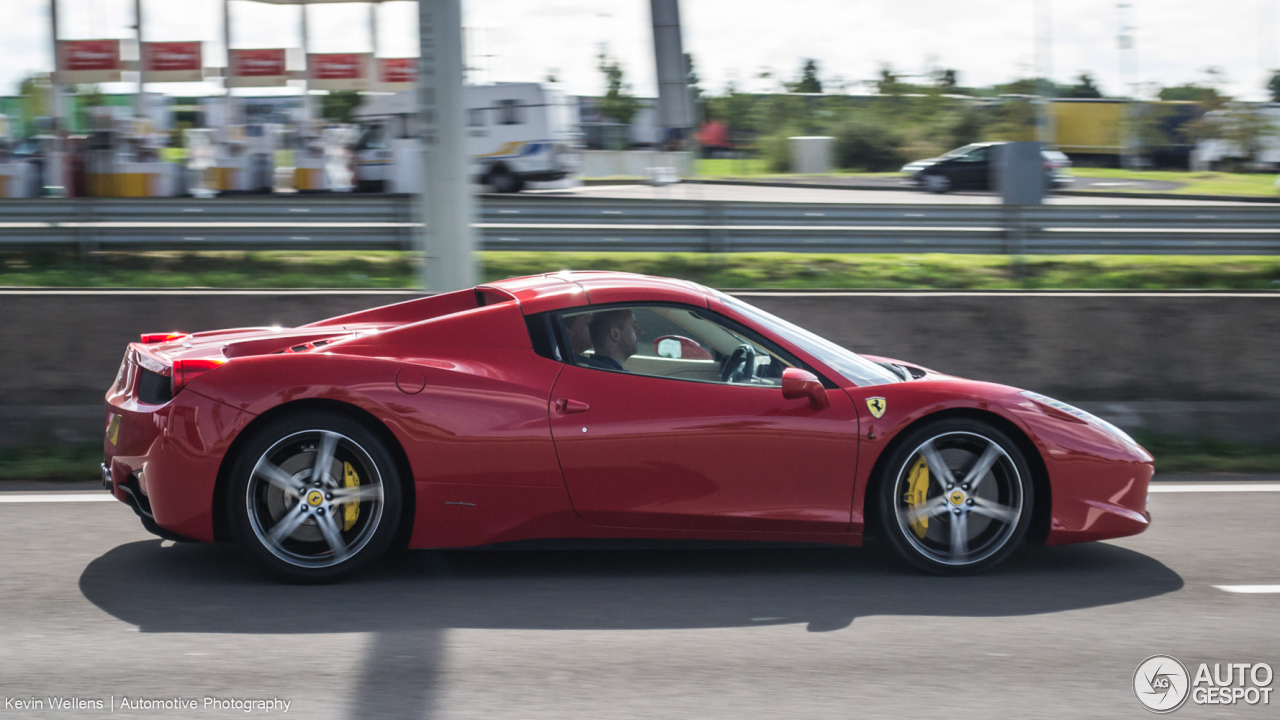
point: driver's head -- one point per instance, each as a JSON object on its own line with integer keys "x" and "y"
{"x": 615, "y": 333}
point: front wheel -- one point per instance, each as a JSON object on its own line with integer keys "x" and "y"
{"x": 956, "y": 497}
{"x": 314, "y": 497}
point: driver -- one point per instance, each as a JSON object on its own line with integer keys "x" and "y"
{"x": 615, "y": 336}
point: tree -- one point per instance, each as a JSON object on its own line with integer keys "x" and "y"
{"x": 618, "y": 103}
{"x": 889, "y": 82}
{"x": 1207, "y": 96}
{"x": 1084, "y": 87}
{"x": 339, "y": 104}
{"x": 808, "y": 82}
{"x": 946, "y": 80}
{"x": 34, "y": 91}
{"x": 691, "y": 78}
{"x": 1273, "y": 86}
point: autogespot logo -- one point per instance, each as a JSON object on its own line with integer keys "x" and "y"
{"x": 1161, "y": 683}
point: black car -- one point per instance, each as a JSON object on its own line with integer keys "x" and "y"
{"x": 969, "y": 167}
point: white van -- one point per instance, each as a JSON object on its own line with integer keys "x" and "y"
{"x": 516, "y": 133}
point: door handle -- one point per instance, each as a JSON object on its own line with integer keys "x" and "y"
{"x": 565, "y": 406}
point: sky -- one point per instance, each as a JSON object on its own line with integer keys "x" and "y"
{"x": 753, "y": 43}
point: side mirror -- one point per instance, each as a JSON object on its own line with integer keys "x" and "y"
{"x": 797, "y": 384}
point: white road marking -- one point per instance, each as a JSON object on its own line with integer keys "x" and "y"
{"x": 100, "y": 496}
{"x": 1251, "y": 589}
{"x": 1170, "y": 487}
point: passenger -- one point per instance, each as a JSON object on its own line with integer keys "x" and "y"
{"x": 579, "y": 337}
{"x": 615, "y": 336}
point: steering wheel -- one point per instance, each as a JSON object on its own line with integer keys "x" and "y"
{"x": 741, "y": 365}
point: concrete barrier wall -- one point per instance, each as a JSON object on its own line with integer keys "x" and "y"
{"x": 1199, "y": 364}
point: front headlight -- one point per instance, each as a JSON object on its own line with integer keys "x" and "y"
{"x": 1088, "y": 417}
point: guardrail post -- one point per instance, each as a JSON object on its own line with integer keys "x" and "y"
{"x": 715, "y": 227}
{"x": 1015, "y": 231}
{"x": 86, "y": 219}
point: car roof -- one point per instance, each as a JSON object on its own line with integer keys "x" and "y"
{"x": 570, "y": 288}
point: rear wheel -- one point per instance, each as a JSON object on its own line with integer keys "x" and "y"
{"x": 937, "y": 184}
{"x": 503, "y": 180}
{"x": 956, "y": 497}
{"x": 314, "y": 497}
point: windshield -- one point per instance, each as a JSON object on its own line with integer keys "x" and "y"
{"x": 960, "y": 151}
{"x": 855, "y": 368}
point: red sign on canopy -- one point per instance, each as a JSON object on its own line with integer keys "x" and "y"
{"x": 397, "y": 71}
{"x": 89, "y": 61}
{"x": 259, "y": 67}
{"x": 258, "y": 63}
{"x": 339, "y": 71}
{"x": 173, "y": 61}
{"x": 337, "y": 66}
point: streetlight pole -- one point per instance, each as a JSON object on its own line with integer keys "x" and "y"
{"x": 1044, "y": 64}
{"x": 445, "y": 201}
{"x": 1129, "y": 150}
{"x": 142, "y": 60}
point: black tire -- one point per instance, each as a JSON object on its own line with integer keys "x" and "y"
{"x": 938, "y": 184}
{"x": 964, "y": 524}
{"x": 503, "y": 181}
{"x": 285, "y": 514}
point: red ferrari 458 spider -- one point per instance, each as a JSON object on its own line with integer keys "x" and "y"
{"x": 593, "y": 405}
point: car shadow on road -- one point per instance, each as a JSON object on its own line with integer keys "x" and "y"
{"x": 410, "y": 601}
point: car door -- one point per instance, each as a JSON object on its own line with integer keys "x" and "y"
{"x": 972, "y": 170}
{"x": 669, "y": 442}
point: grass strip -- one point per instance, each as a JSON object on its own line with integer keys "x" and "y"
{"x": 373, "y": 269}
{"x": 1193, "y": 183}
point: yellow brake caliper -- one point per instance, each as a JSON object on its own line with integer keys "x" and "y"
{"x": 351, "y": 510}
{"x": 917, "y": 490}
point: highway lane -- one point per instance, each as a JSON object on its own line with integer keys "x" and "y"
{"x": 96, "y": 607}
{"x": 748, "y": 193}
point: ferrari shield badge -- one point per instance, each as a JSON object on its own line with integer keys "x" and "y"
{"x": 877, "y": 406}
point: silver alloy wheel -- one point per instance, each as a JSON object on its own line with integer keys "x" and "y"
{"x": 302, "y": 503}
{"x": 937, "y": 183}
{"x": 971, "y": 505}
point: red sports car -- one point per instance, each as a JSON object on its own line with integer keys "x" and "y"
{"x": 593, "y": 405}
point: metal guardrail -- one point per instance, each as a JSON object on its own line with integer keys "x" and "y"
{"x": 565, "y": 223}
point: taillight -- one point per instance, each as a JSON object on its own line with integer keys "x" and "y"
{"x": 184, "y": 371}
{"x": 152, "y": 338}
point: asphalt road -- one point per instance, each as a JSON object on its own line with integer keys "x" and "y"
{"x": 748, "y": 193}
{"x": 94, "y": 607}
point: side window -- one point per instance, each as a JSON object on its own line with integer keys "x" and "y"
{"x": 509, "y": 112}
{"x": 475, "y": 117}
{"x": 671, "y": 341}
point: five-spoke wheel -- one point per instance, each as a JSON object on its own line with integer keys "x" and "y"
{"x": 956, "y": 497}
{"x": 314, "y": 497}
